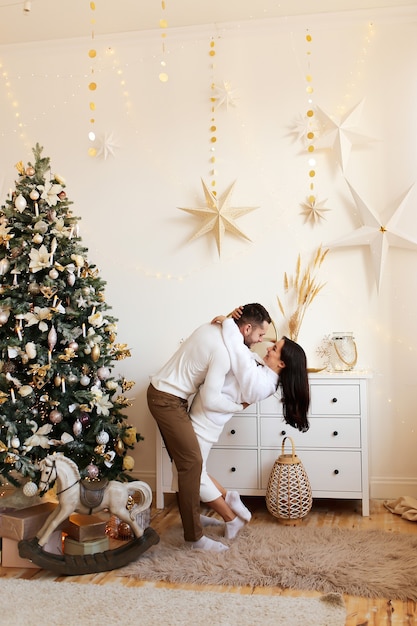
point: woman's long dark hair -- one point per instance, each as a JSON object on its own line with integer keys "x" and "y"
{"x": 293, "y": 379}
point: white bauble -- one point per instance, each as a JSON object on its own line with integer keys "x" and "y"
{"x": 30, "y": 489}
{"x": 20, "y": 203}
{"x": 102, "y": 438}
{"x": 85, "y": 380}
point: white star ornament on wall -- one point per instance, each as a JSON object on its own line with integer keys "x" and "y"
{"x": 377, "y": 236}
{"x": 340, "y": 135}
{"x": 106, "y": 146}
{"x": 218, "y": 216}
{"x": 224, "y": 95}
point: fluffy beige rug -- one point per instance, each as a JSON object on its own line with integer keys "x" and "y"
{"x": 26, "y": 602}
{"x": 355, "y": 562}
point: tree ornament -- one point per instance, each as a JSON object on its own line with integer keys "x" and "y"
{"x": 77, "y": 429}
{"x": 57, "y": 380}
{"x": 119, "y": 447}
{"x": 15, "y": 442}
{"x": 20, "y": 203}
{"x": 72, "y": 379}
{"x": 92, "y": 471}
{"x": 4, "y": 266}
{"x": 53, "y": 274}
{"x": 71, "y": 279}
{"x": 55, "y": 416}
{"x": 37, "y": 238}
{"x": 73, "y": 345}
{"x": 30, "y": 489}
{"x": 102, "y": 438}
{"x": 52, "y": 338}
{"x": 95, "y": 353}
{"x": 103, "y": 373}
{"x": 34, "y": 194}
{"x": 85, "y": 380}
{"x": 4, "y": 316}
{"x": 84, "y": 418}
{"x": 34, "y": 289}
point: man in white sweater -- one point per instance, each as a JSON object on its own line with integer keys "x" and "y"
{"x": 202, "y": 358}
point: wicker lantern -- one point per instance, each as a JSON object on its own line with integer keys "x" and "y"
{"x": 288, "y": 494}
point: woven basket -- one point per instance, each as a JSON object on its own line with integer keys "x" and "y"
{"x": 288, "y": 495}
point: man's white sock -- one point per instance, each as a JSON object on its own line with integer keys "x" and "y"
{"x": 233, "y": 500}
{"x": 205, "y": 543}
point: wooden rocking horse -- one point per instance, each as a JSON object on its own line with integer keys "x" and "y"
{"x": 76, "y": 495}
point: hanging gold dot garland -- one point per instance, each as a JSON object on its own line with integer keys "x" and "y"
{"x": 213, "y": 126}
{"x": 92, "y": 85}
{"x": 163, "y": 24}
{"x": 310, "y": 123}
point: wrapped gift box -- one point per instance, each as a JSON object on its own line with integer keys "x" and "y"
{"x": 73, "y": 547}
{"x": 84, "y": 527}
{"x": 20, "y": 524}
{"x": 10, "y": 551}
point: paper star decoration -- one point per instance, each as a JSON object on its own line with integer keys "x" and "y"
{"x": 377, "y": 236}
{"x": 341, "y": 135}
{"x": 313, "y": 210}
{"x": 219, "y": 216}
{"x": 224, "y": 95}
{"x": 106, "y": 146}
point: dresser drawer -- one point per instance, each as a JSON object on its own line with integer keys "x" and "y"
{"x": 234, "y": 469}
{"x": 271, "y": 405}
{"x": 329, "y": 471}
{"x": 324, "y": 432}
{"x": 334, "y": 399}
{"x": 239, "y": 431}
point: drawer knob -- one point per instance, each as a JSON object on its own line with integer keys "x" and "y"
{"x": 334, "y": 400}
{"x": 233, "y": 432}
{"x": 232, "y": 469}
{"x": 283, "y": 432}
{"x": 335, "y": 433}
{"x": 336, "y": 471}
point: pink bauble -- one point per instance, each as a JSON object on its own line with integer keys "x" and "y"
{"x": 92, "y": 471}
{"x": 55, "y": 416}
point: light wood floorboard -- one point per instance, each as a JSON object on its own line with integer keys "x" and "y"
{"x": 332, "y": 513}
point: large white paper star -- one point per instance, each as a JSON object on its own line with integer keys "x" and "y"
{"x": 340, "y": 135}
{"x": 377, "y": 236}
{"x": 218, "y": 216}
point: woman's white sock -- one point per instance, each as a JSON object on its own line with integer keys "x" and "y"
{"x": 205, "y": 543}
{"x": 233, "y": 500}
{"x": 233, "y": 527}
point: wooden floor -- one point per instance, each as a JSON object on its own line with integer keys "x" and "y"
{"x": 332, "y": 513}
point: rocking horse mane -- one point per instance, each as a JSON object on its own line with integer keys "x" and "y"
{"x": 65, "y": 459}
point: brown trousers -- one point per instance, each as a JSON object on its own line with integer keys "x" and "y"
{"x": 171, "y": 415}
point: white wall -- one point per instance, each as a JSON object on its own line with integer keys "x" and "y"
{"x": 160, "y": 285}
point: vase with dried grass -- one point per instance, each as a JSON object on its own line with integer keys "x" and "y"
{"x": 301, "y": 289}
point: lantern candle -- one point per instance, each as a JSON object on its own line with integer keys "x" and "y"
{"x": 12, "y": 395}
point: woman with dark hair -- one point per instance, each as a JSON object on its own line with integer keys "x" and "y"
{"x": 250, "y": 380}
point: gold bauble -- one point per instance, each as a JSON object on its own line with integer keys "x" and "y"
{"x": 119, "y": 447}
{"x": 95, "y": 353}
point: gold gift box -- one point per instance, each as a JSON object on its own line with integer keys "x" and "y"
{"x": 73, "y": 547}
{"x": 20, "y": 524}
{"x": 84, "y": 527}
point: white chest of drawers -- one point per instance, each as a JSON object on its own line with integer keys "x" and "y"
{"x": 334, "y": 450}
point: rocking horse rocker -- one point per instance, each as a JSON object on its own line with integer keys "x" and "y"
{"x": 85, "y": 497}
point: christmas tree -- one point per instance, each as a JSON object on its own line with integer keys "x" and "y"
{"x": 58, "y": 344}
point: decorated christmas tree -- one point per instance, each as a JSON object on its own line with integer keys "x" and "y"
{"x": 58, "y": 344}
